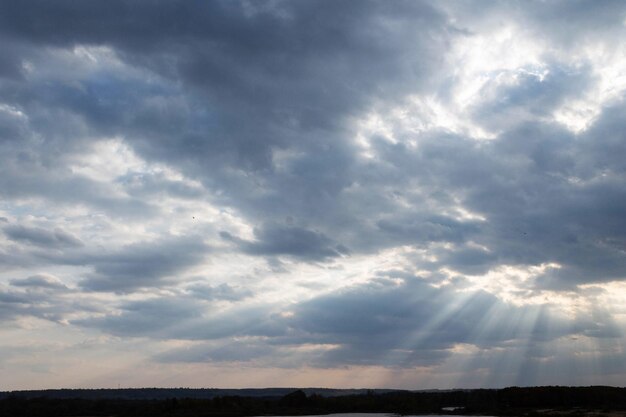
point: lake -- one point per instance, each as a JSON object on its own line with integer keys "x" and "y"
{"x": 377, "y": 415}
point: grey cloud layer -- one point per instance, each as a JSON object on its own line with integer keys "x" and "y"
{"x": 139, "y": 265}
{"x": 381, "y": 323}
{"x": 42, "y": 237}
{"x": 301, "y": 243}
{"x": 259, "y": 108}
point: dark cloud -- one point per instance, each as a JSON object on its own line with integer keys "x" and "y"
{"x": 380, "y": 323}
{"x": 273, "y": 239}
{"x": 415, "y": 229}
{"x": 415, "y": 324}
{"x": 186, "y": 318}
{"x": 42, "y": 297}
{"x": 546, "y": 196}
{"x": 404, "y": 325}
{"x": 299, "y": 120}
{"x": 280, "y": 69}
{"x": 10, "y": 306}
{"x": 142, "y": 264}
{"x": 159, "y": 317}
{"x": 42, "y": 237}
{"x": 593, "y": 20}
{"x": 45, "y": 281}
{"x": 292, "y": 72}
{"x": 13, "y": 298}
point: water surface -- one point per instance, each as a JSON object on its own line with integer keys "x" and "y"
{"x": 378, "y": 415}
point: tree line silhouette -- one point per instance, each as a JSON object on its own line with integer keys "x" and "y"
{"x": 514, "y": 401}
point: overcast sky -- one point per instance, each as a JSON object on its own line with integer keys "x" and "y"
{"x": 408, "y": 194}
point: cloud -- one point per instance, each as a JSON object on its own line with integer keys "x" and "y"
{"x": 152, "y": 317}
{"x": 219, "y": 292}
{"x": 141, "y": 264}
{"x": 231, "y": 352}
{"x": 384, "y": 323}
{"x": 42, "y": 237}
{"x": 185, "y": 318}
{"x": 437, "y": 228}
{"x": 516, "y": 96}
{"x": 273, "y": 239}
{"x": 151, "y": 184}
{"x": 405, "y": 324}
{"x": 43, "y": 297}
{"x": 337, "y": 184}
{"x": 45, "y": 281}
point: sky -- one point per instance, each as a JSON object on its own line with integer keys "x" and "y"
{"x": 402, "y": 194}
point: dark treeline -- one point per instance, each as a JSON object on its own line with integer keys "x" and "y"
{"x": 508, "y": 401}
{"x": 164, "y": 393}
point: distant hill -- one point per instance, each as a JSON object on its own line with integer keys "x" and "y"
{"x": 196, "y": 393}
